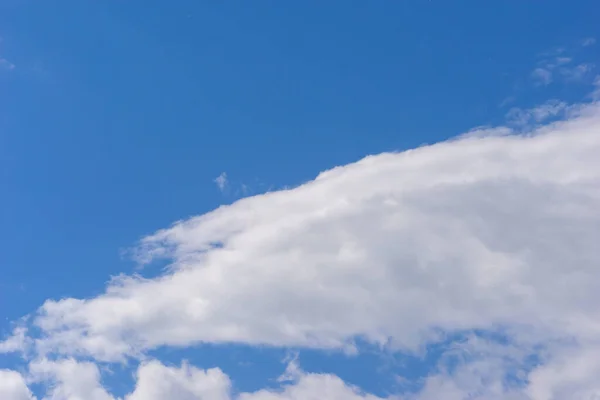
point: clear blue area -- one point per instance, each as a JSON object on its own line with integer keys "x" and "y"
{"x": 118, "y": 116}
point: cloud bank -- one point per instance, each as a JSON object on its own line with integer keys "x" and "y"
{"x": 484, "y": 233}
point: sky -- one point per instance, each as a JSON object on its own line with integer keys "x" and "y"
{"x": 299, "y": 200}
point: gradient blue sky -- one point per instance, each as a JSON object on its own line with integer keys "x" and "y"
{"x": 117, "y": 116}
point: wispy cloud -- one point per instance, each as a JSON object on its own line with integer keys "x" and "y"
{"x": 542, "y": 76}
{"x": 576, "y": 73}
{"x": 595, "y": 95}
{"x": 588, "y": 41}
{"x": 6, "y": 65}
{"x": 550, "y": 70}
{"x": 506, "y": 101}
{"x": 236, "y": 189}
{"x": 550, "y": 109}
{"x": 221, "y": 181}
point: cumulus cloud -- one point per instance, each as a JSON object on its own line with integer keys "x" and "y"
{"x": 156, "y": 381}
{"x": 16, "y": 342}
{"x": 477, "y": 368}
{"x": 13, "y": 386}
{"x": 69, "y": 379}
{"x": 72, "y": 380}
{"x": 460, "y": 235}
{"x": 311, "y": 387}
{"x": 489, "y": 232}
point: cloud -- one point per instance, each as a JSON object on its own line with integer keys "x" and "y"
{"x": 5, "y": 64}
{"x": 588, "y": 41}
{"x": 577, "y": 73}
{"x": 506, "y": 101}
{"x": 573, "y": 374}
{"x": 490, "y": 232}
{"x": 477, "y": 368}
{"x": 556, "y": 65}
{"x": 472, "y": 234}
{"x": 69, "y": 379}
{"x": 156, "y": 381}
{"x": 550, "y": 109}
{"x": 13, "y": 386}
{"x": 312, "y": 387}
{"x": 547, "y": 74}
{"x": 542, "y": 76}
{"x": 595, "y": 95}
{"x": 485, "y": 131}
{"x": 221, "y": 181}
{"x": 407, "y": 241}
{"x": 17, "y": 342}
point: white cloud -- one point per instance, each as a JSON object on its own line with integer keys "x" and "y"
{"x": 482, "y": 369}
{"x": 488, "y": 230}
{"x": 467, "y": 234}
{"x": 460, "y": 235}
{"x": 555, "y": 66}
{"x": 550, "y": 109}
{"x": 562, "y": 61}
{"x": 588, "y": 41}
{"x": 299, "y": 385}
{"x": 475, "y": 369}
{"x": 573, "y": 374}
{"x": 5, "y": 64}
{"x": 312, "y": 387}
{"x": 221, "y": 181}
{"x": 17, "y": 342}
{"x": 69, "y": 379}
{"x": 156, "y": 381}
{"x": 542, "y": 76}
{"x": 577, "y": 73}
{"x": 484, "y": 131}
{"x": 13, "y": 386}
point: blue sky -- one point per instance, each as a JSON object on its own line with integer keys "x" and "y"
{"x": 117, "y": 117}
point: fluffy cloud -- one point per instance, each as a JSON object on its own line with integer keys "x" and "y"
{"x": 312, "y": 387}
{"x": 17, "y": 342}
{"x": 13, "y": 387}
{"x": 472, "y": 233}
{"x": 156, "y": 381}
{"x": 490, "y": 232}
{"x": 476, "y": 368}
{"x": 69, "y": 379}
{"x": 72, "y": 380}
